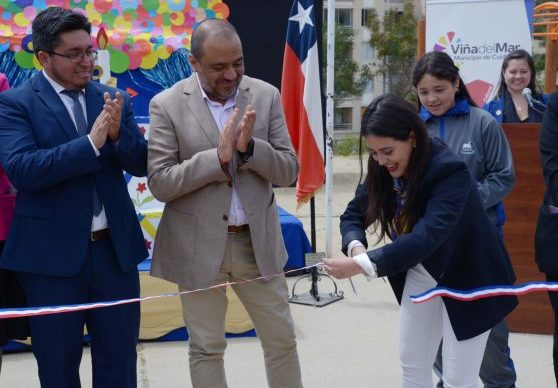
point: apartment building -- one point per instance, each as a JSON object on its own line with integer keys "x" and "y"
{"x": 352, "y": 14}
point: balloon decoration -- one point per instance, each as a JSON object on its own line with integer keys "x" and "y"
{"x": 143, "y": 44}
{"x": 139, "y": 33}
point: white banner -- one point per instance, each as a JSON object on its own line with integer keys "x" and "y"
{"x": 478, "y": 34}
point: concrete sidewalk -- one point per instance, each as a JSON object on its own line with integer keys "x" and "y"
{"x": 351, "y": 343}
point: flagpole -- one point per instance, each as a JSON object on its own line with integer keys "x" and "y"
{"x": 329, "y": 124}
{"x": 303, "y": 9}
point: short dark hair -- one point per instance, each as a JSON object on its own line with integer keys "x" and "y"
{"x": 207, "y": 27}
{"x": 392, "y": 116}
{"x": 50, "y": 23}
{"x": 518, "y": 54}
{"x": 438, "y": 64}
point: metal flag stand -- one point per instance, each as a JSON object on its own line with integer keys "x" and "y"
{"x": 313, "y": 297}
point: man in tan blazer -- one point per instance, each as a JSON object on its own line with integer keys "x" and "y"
{"x": 218, "y": 142}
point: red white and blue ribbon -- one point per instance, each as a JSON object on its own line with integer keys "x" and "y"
{"x": 462, "y": 295}
{"x": 48, "y": 310}
{"x": 484, "y": 292}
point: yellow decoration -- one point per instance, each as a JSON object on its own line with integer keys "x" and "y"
{"x": 112, "y": 82}
{"x": 122, "y": 24}
{"x": 149, "y": 61}
{"x": 37, "y": 64}
{"x": 164, "y": 52}
{"x": 179, "y": 20}
{"x": 146, "y": 225}
{"x": 443, "y": 40}
{"x": 20, "y": 20}
{"x": 6, "y": 31}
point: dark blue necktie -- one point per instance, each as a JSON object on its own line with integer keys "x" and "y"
{"x": 81, "y": 126}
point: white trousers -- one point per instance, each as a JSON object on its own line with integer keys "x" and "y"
{"x": 422, "y": 326}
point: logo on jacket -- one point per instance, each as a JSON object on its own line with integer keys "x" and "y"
{"x": 467, "y": 149}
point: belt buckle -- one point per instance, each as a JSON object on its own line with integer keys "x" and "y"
{"x": 238, "y": 228}
{"x": 100, "y": 234}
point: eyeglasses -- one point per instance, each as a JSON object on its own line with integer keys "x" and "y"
{"x": 76, "y": 56}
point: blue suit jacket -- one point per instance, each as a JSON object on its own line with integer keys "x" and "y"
{"x": 496, "y": 106}
{"x": 54, "y": 170}
{"x": 454, "y": 240}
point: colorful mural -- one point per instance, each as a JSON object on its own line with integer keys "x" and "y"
{"x": 136, "y": 33}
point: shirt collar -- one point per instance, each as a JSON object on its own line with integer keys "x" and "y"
{"x": 231, "y": 101}
{"x": 55, "y": 85}
{"x": 461, "y": 107}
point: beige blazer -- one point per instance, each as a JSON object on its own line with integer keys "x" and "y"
{"x": 184, "y": 173}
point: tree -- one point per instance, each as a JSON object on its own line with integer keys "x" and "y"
{"x": 347, "y": 73}
{"x": 395, "y": 41}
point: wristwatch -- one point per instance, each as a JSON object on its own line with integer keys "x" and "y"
{"x": 245, "y": 156}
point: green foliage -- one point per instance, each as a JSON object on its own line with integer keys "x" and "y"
{"x": 347, "y": 72}
{"x": 539, "y": 69}
{"x": 346, "y": 146}
{"x": 395, "y": 41}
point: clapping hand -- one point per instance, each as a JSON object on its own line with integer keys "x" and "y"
{"x": 225, "y": 149}
{"x": 236, "y": 137}
{"x": 246, "y": 129}
{"x": 99, "y": 130}
{"x": 113, "y": 107}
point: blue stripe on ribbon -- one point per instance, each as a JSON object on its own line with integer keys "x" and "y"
{"x": 485, "y": 292}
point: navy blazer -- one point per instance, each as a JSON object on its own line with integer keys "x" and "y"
{"x": 454, "y": 240}
{"x": 54, "y": 171}
{"x": 546, "y": 235}
{"x": 496, "y": 107}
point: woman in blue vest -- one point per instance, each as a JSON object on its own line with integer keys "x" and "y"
{"x": 517, "y": 80}
{"x": 419, "y": 194}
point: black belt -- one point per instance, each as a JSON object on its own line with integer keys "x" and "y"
{"x": 238, "y": 228}
{"x": 101, "y": 234}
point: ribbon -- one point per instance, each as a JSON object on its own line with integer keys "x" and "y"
{"x": 48, "y": 310}
{"x": 484, "y": 292}
{"x": 436, "y": 292}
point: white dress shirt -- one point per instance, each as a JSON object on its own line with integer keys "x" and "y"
{"x": 100, "y": 221}
{"x": 221, "y": 114}
{"x": 363, "y": 260}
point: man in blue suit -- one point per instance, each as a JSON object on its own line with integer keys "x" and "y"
{"x": 75, "y": 237}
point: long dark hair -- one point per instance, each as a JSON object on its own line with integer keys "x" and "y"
{"x": 518, "y": 54}
{"x": 438, "y": 64}
{"x": 392, "y": 116}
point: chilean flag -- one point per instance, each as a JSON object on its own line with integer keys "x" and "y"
{"x": 301, "y": 98}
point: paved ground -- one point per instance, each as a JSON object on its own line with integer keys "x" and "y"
{"x": 351, "y": 343}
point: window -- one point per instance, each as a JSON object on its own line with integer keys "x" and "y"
{"x": 344, "y": 17}
{"x": 367, "y": 52}
{"x": 343, "y": 119}
{"x": 366, "y": 13}
{"x": 369, "y": 87}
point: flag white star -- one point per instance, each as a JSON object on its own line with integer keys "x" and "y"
{"x": 302, "y": 17}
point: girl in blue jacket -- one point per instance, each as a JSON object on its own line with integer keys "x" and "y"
{"x": 419, "y": 194}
